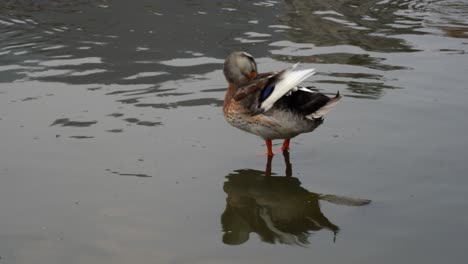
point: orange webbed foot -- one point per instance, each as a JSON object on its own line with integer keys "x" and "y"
{"x": 271, "y": 152}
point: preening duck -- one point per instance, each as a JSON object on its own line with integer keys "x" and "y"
{"x": 271, "y": 105}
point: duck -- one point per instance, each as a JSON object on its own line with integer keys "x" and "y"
{"x": 271, "y": 105}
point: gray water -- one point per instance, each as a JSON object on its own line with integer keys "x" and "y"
{"x": 113, "y": 147}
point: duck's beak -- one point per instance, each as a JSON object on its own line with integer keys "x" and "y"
{"x": 253, "y": 74}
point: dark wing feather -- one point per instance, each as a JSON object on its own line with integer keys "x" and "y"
{"x": 303, "y": 103}
{"x": 272, "y": 78}
{"x": 252, "y": 94}
{"x": 266, "y": 92}
{"x": 248, "y": 90}
{"x": 252, "y": 87}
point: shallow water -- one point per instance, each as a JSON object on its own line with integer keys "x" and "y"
{"x": 114, "y": 148}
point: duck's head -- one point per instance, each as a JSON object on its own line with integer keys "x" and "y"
{"x": 239, "y": 67}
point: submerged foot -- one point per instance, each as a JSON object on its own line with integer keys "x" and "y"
{"x": 273, "y": 152}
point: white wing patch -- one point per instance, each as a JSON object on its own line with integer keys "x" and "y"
{"x": 298, "y": 88}
{"x": 289, "y": 80}
{"x": 305, "y": 89}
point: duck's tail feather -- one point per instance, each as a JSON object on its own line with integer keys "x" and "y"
{"x": 289, "y": 79}
{"x": 326, "y": 108}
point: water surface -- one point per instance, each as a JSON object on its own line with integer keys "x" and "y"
{"x": 114, "y": 148}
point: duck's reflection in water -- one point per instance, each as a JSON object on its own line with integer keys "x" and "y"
{"x": 277, "y": 208}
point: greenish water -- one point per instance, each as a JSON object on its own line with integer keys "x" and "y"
{"x": 114, "y": 148}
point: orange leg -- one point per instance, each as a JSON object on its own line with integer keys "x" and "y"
{"x": 285, "y": 146}
{"x": 269, "y": 147}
